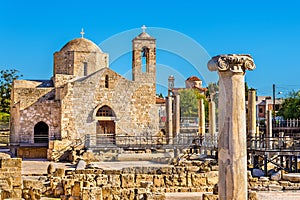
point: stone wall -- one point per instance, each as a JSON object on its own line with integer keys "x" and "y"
{"x": 30, "y": 105}
{"x": 32, "y": 152}
{"x": 131, "y": 183}
{"x": 10, "y": 178}
{"x": 77, "y": 53}
{"x": 132, "y": 103}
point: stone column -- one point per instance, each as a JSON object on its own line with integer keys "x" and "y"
{"x": 269, "y": 130}
{"x": 177, "y": 114}
{"x": 201, "y": 116}
{"x": 212, "y": 121}
{"x": 169, "y": 120}
{"x": 232, "y": 145}
{"x": 251, "y": 116}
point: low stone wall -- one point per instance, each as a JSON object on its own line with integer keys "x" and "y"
{"x": 266, "y": 184}
{"x": 10, "y": 178}
{"x": 32, "y": 152}
{"x": 4, "y": 136}
{"x": 128, "y": 183}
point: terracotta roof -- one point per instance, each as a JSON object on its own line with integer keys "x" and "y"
{"x": 193, "y": 78}
{"x": 201, "y": 89}
{"x": 160, "y": 100}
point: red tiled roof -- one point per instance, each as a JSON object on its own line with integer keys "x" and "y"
{"x": 193, "y": 78}
{"x": 160, "y": 100}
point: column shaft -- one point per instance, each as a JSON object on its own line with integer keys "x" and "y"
{"x": 169, "y": 119}
{"x": 177, "y": 114}
{"x": 232, "y": 137}
{"x": 232, "y": 145}
{"x": 212, "y": 121}
{"x": 251, "y": 117}
{"x": 201, "y": 116}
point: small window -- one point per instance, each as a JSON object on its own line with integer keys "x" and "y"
{"x": 105, "y": 111}
{"x": 106, "y": 81}
{"x": 85, "y": 70}
{"x": 260, "y": 110}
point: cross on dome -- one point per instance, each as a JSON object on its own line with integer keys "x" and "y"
{"x": 144, "y": 28}
{"x": 82, "y": 33}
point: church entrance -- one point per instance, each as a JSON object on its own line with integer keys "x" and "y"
{"x": 41, "y": 132}
{"x": 106, "y": 132}
{"x": 105, "y": 129}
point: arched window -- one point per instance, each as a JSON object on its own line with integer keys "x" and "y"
{"x": 85, "y": 68}
{"x": 105, "y": 111}
{"x": 41, "y": 132}
{"x": 144, "y": 59}
{"x": 106, "y": 81}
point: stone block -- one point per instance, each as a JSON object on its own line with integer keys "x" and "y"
{"x": 168, "y": 180}
{"x": 198, "y": 180}
{"x": 293, "y": 177}
{"x": 76, "y": 189}
{"x": 212, "y": 178}
{"x": 11, "y": 163}
{"x": 210, "y": 197}
{"x": 58, "y": 191}
{"x": 284, "y": 183}
{"x": 127, "y": 194}
{"x": 158, "y": 181}
{"x": 101, "y": 179}
{"x": 275, "y": 187}
{"x": 32, "y": 184}
{"x": 59, "y": 172}
{"x": 94, "y": 193}
{"x": 127, "y": 180}
{"x": 276, "y": 176}
{"x": 114, "y": 180}
{"x": 252, "y": 195}
{"x": 143, "y": 177}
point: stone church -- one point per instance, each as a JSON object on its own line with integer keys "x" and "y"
{"x": 85, "y": 97}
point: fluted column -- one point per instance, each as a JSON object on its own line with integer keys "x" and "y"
{"x": 251, "y": 116}
{"x": 169, "y": 119}
{"x": 177, "y": 114}
{"x": 269, "y": 130}
{"x": 201, "y": 116}
{"x": 232, "y": 146}
{"x": 212, "y": 121}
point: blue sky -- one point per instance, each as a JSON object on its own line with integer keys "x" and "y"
{"x": 31, "y": 31}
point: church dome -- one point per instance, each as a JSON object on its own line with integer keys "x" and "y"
{"x": 81, "y": 44}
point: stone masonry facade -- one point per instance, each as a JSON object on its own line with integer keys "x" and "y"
{"x": 85, "y": 97}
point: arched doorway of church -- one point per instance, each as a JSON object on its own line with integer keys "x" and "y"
{"x": 105, "y": 129}
{"x": 41, "y": 132}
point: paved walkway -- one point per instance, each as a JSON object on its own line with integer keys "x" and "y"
{"x": 39, "y": 166}
{"x": 291, "y": 195}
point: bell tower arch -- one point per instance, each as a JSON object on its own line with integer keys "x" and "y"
{"x": 144, "y": 58}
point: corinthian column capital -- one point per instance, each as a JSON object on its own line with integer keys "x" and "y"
{"x": 238, "y": 63}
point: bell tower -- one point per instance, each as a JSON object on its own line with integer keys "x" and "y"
{"x": 144, "y": 58}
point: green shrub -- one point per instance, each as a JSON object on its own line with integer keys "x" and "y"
{"x": 4, "y": 117}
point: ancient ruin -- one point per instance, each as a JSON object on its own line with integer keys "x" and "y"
{"x": 232, "y": 146}
{"x": 87, "y": 115}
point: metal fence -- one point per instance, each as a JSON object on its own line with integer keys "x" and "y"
{"x": 144, "y": 142}
{"x": 276, "y": 143}
{"x": 289, "y": 123}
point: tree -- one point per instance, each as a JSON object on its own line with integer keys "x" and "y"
{"x": 6, "y": 79}
{"x": 290, "y": 108}
{"x": 189, "y": 100}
